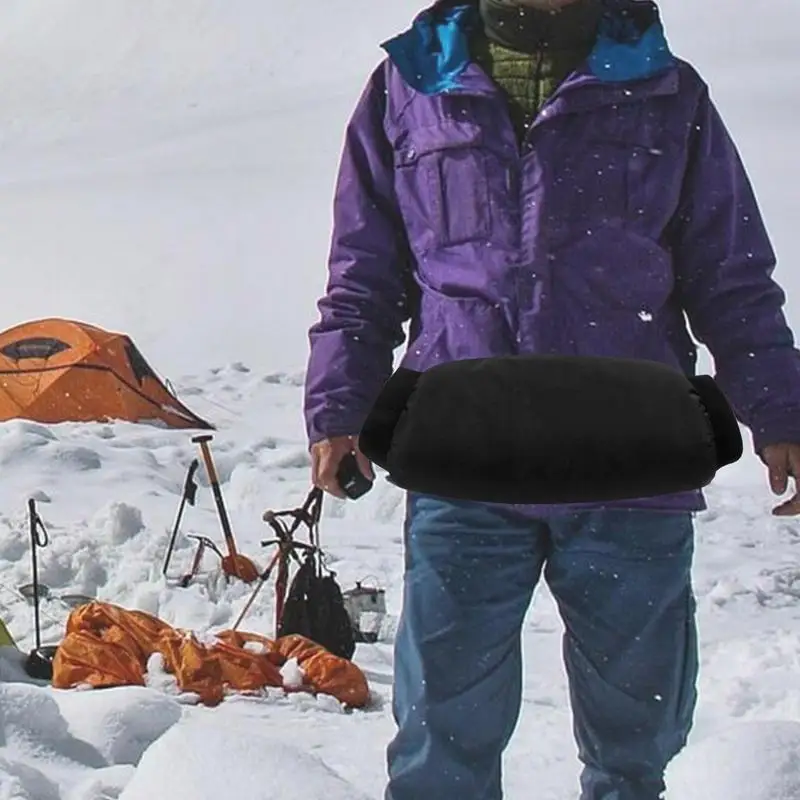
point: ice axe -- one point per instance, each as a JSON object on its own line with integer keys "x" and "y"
{"x": 203, "y": 543}
{"x": 234, "y": 564}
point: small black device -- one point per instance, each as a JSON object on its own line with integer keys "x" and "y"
{"x": 350, "y": 478}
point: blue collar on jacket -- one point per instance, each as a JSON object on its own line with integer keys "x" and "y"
{"x": 434, "y": 52}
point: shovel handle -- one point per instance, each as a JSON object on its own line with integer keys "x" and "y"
{"x": 213, "y": 479}
{"x": 208, "y": 460}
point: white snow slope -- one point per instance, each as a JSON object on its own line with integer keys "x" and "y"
{"x": 166, "y": 170}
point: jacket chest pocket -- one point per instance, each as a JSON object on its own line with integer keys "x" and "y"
{"x": 442, "y": 186}
{"x": 589, "y": 185}
{"x": 612, "y": 183}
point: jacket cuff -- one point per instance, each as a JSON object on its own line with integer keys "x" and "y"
{"x": 316, "y": 432}
{"x": 780, "y": 429}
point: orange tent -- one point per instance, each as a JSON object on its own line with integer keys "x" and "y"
{"x": 57, "y": 370}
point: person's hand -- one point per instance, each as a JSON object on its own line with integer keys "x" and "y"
{"x": 326, "y": 457}
{"x": 783, "y": 462}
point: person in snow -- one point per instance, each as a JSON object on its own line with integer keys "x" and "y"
{"x": 545, "y": 178}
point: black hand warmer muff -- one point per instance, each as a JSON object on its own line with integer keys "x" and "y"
{"x": 550, "y": 429}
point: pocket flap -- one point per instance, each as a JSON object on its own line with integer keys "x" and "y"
{"x": 413, "y": 144}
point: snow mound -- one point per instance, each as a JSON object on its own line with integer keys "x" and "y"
{"x": 38, "y": 752}
{"x": 122, "y": 522}
{"x": 20, "y": 781}
{"x": 749, "y": 761}
{"x": 102, "y": 784}
{"x": 31, "y": 724}
{"x": 121, "y": 723}
{"x": 205, "y": 760}
{"x": 60, "y": 745}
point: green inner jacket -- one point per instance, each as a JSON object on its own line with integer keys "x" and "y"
{"x": 527, "y": 79}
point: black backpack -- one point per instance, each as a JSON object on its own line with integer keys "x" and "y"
{"x": 315, "y": 609}
{"x": 314, "y": 606}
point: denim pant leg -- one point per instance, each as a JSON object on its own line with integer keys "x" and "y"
{"x": 470, "y": 574}
{"x": 623, "y": 585}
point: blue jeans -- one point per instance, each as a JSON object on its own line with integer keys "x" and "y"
{"x": 622, "y": 582}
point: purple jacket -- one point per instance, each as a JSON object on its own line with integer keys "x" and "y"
{"x": 626, "y": 207}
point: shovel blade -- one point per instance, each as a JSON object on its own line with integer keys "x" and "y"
{"x": 241, "y": 567}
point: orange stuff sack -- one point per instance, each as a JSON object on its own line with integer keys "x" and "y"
{"x": 106, "y": 645}
{"x": 324, "y": 672}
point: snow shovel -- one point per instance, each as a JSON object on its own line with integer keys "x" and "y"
{"x": 189, "y": 497}
{"x": 234, "y": 564}
{"x": 39, "y": 663}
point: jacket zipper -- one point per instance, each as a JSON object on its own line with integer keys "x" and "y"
{"x": 537, "y": 83}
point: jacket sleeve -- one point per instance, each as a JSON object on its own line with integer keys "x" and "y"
{"x": 724, "y": 263}
{"x": 365, "y": 303}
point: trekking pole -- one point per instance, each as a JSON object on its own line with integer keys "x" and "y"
{"x": 235, "y": 564}
{"x": 189, "y": 496}
{"x": 263, "y": 578}
{"x": 39, "y": 663}
{"x": 308, "y": 514}
{"x": 282, "y": 583}
{"x": 284, "y": 541}
{"x": 37, "y": 540}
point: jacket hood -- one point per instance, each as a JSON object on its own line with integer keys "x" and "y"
{"x": 434, "y": 52}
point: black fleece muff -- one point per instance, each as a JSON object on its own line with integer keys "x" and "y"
{"x": 550, "y": 429}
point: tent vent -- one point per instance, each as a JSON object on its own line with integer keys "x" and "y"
{"x": 140, "y": 368}
{"x": 39, "y": 347}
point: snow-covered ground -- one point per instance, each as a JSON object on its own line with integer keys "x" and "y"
{"x": 166, "y": 170}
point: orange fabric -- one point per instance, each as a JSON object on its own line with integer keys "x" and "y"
{"x": 106, "y": 645}
{"x": 57, "y": 370}
{"x": 209, "y": 670}
{"x": 84, "y": 658}
{"x": 326, "y": 673}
